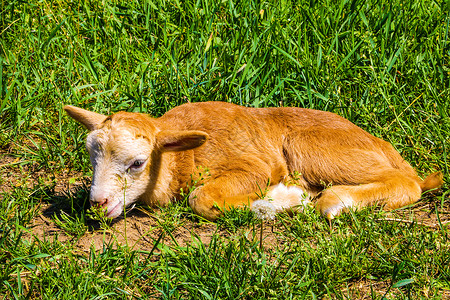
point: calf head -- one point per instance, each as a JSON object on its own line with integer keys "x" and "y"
{"x": 123, "y": 148}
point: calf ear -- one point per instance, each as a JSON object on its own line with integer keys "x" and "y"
{"x": 89, "y": 119}
{"x": 173, "y": 140}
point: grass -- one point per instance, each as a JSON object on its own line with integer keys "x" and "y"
{"x": 382, "y": 64}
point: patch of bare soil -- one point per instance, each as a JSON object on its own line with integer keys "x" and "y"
{"x": 137, "y": 230}
{"x": 142, "y": 230}
{"x": 15, "y": 174}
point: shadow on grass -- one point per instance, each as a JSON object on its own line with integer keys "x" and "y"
{"x": 69, "y": 210}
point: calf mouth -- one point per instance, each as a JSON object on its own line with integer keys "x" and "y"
{"x": 114, "y": 209}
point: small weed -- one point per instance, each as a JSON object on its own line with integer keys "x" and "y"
{"x": 97, "y": 213}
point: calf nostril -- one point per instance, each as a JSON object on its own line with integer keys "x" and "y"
{"x": 103, "y": 202}
{"x": 100, "y": 203}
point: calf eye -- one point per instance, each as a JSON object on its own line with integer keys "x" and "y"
{"x": 135, "y": 165}
{"x": 138, "y": 163}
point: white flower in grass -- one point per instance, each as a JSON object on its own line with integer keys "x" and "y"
{"x": 264, "y": 210}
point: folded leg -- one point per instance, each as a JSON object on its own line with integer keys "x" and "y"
{"x": 232, "y": 189}
{"x": 242, "y": 187}
{"x": 391, "y": 188}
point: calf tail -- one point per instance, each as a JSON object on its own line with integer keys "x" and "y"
{"x": 433, "y": 181}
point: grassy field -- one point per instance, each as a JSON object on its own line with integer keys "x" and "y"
{"x": 382, "y": 64}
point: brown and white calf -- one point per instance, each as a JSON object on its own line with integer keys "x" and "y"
{"x": 239, "y": 153}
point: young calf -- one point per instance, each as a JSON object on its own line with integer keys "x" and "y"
{"x": 241, "y": 154}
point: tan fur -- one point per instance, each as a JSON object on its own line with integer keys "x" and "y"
{"x": 244, "y": 149}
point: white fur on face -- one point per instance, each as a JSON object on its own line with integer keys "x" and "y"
{"x": 121, "y": 165}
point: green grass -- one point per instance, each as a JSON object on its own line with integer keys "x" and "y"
{"x": 382, "y": 64}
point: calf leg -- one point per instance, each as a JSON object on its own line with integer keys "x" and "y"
{"x": 229, "y": 190}
{"x": 391, "y": 188}
{"x": 242, "y": 189}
